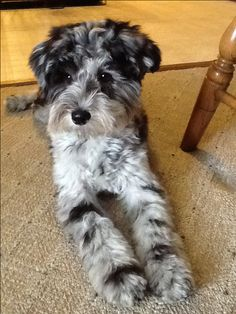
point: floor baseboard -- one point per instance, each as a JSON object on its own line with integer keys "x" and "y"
{"x": 168, "y": 67}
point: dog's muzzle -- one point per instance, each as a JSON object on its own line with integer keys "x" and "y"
{"x": 80, "y": 117}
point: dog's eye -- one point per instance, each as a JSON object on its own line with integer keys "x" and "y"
{"x": 67, "y": 78}
{"x": 105, "y": 77}
{"x": 59, "y": 77}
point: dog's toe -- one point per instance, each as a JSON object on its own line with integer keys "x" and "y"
{"x": 125, "y": 289}
{"x": 18, "y": 103}
{"x": 170, "y": 279}
{"x": 12, "y": 103}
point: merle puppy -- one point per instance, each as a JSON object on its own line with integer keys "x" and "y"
{"x": 89, "y": 77}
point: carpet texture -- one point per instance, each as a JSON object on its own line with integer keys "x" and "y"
{"x": 41, "y": 272}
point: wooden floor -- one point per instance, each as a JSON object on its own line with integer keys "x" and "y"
{"x": 187, "y": 31}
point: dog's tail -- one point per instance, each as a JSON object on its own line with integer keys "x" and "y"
{"x": 18, "y": 103}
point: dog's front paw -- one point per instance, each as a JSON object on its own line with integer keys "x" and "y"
{"x": 169, "y": 278}
{"x": 124, "y": 286}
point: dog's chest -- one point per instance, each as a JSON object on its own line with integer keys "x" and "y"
{"x": 97, "y": 163}
{"x": 77, "y": 161}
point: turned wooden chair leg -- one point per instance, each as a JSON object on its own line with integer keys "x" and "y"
{"x": 217, "y": 79}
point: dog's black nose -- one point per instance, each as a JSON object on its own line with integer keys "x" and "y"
{"x": 80, "y": 116}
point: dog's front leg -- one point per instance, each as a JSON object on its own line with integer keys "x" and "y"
{"x": 112, "y": 268}
{"x": 157, "y": 244}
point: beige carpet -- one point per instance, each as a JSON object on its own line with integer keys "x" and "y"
{"x": 187, "y": 31}
{"x": 40, "y": 270}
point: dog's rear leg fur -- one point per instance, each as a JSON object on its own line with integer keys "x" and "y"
{"x": 16, "y": 103}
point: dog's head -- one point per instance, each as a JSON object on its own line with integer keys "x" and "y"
{"x": 90, "y": 74}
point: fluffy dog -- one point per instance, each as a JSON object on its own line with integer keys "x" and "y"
{"x": 90, "y": 76}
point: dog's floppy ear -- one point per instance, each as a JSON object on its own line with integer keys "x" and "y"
{"x": 151, "y": 56}
{"x": 47, "y": 53}
{"x": 136, "y": 47}
{"x": 38, "y": 62}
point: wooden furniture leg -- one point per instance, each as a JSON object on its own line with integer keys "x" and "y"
{"x": 217, "y": 80}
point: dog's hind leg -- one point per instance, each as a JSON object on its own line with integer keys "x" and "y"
{"x": 16, "y": 103}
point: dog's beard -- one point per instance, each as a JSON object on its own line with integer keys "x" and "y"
{"x": 107, "y": 117}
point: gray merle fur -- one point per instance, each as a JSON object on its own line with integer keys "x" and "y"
{"x": 89, "y": 77}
